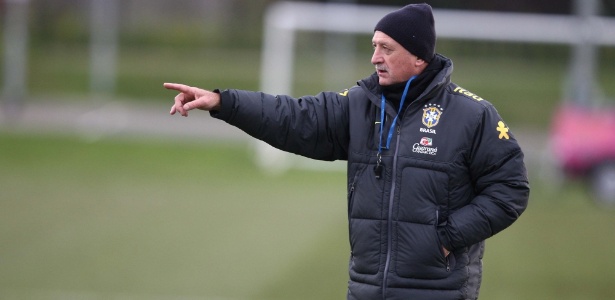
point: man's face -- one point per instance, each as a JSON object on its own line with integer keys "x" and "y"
{"x": 393, "y": 62}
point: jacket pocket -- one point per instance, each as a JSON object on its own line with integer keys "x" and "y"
{"x": 422, "y": 191}
{"x": 364, "y": 221}
{"x": 419, "y": 252}
{"x": 365, "y": 246}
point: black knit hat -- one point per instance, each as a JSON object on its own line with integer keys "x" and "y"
{"x": 412, "y": 27}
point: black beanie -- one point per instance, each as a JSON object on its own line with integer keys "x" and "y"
{"x": 412, "y": 27}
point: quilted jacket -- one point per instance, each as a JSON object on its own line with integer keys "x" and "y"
{"x": 452, "y": 176}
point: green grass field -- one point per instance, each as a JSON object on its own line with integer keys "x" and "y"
{"x": 143, "y": 219}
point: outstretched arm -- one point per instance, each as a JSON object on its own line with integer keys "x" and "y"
{"x": 190, "y": 98}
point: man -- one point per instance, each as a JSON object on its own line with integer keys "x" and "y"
{"x": 433, "y": 170}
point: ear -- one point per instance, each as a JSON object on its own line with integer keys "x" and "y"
{"x": 420, "y": 65}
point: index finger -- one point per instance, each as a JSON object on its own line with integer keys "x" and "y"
{"x": 178, "y": 87}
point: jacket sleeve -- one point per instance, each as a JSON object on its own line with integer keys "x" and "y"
{"x": 500, "y": 182}
{"x": 311, "y": 126}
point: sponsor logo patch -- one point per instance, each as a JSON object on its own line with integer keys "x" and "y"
{"x": 426, "y": 141}
{"x": 467, "y": 93}
{"x": 417, "y": 148}
{"x": 503, "y": 130}
{"x": 425, "y": 147}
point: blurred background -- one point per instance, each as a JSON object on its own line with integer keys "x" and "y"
{"x": 103, "y": 195}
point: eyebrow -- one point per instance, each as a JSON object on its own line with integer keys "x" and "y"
{"x": 382, "y": 43}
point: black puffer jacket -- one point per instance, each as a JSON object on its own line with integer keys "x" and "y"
{"x": 453, "y": 176}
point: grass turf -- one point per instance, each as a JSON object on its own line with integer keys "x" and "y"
{"x": 148, "y": 219}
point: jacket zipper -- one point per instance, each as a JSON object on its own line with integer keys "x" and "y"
{"x": 390, "y": 217}
{"x": 350, "y": 204}
{"x": 446, "y": 258}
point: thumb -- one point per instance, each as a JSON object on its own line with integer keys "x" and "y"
{"x": 188, "y": 106}
{"x": 197, "y": 103}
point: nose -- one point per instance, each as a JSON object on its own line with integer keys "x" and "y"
{"x": 376, "y": 57}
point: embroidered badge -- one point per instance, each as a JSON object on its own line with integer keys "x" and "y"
{"x": 503, "y": 130}
{"x": 431, "y": 115}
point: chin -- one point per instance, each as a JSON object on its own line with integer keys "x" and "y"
{"x": 383, "y": 81}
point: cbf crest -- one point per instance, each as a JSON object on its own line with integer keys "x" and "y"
{"x": 431, "y": 115}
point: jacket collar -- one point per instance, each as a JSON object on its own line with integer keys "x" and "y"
{"x": 373, "y": 89}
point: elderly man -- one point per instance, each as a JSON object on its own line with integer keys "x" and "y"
{"x": 433, "y": 170}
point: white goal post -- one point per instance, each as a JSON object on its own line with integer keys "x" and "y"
{"x": 283, "y": 20}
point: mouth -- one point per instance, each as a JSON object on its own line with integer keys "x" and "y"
{"x": 381, "y": 70}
